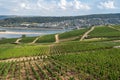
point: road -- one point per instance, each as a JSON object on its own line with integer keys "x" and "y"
{"x": 86, "y": 34}
{"x": 57, "y": 38}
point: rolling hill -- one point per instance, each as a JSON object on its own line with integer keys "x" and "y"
{"x": 86, "y": 20}
{"x": 95, "y": 57}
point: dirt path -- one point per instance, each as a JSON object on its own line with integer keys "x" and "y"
{"x": 86, "y": 34}
{"x": 18, "y": 40}
{"x": 35, "y": 40}
{"x": 57, "y": 38}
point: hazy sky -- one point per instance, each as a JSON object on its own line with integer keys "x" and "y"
{"x": 58, "y": 7}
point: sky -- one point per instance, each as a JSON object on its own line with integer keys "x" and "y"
{"x": 58, "y": 7}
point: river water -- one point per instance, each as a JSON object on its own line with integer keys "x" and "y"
{"x": 18, "y": 32}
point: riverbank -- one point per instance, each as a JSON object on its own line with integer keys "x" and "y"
{"x": 34, "y": 28}
{"x": 18, "y": 32}
{"x": 8, "y": 32}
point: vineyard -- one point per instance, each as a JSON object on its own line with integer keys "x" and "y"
{"x": 46, "y": 39}
{"x": 39, "y": 69}
{"x": 73, "y": 33}
{"x": 99, "y": 65}
{"x": 69, "y": 60}
{"x": 4, "y": 41}
{"x": 116, "y": 27}
{"x": 27, "y": 39}
{"x": 12, "y": 51}
{"x": 71, "y": 47}
{"x": 104, "y": 31}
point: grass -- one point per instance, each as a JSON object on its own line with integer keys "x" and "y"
{"x": 73, "y": 33}
{"x": 69, "y": 47}
{"x": 5, "y": 41}
{"x": 46, "y": 39}
{"x": 28, "y": 39}
{"x": 93, "y": 59}
{"x": 104, "y": 31}
{"x": 116, "y": 27}
{"x": 101, "y": 64}
{"x": 13, "y": 51}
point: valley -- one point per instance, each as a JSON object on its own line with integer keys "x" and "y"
{"x": 82, "y": 54}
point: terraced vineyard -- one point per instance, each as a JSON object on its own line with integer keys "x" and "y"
{"x": 70, "y": 47}
{"x": 5, "y": 41}
{"x": 69, "y": 60}
{"x": 99, "y": 65}
{"x": 104, "y": 32}
{"x": 116, "y": 27}
{"x": 13, "y": 51}
{"x": 40, "y": 69}
{"x": 73, "y": 33}
{"x": 27, "y": 39}
{"x": 46, "y": 39}
{"x": 87, "y": 65}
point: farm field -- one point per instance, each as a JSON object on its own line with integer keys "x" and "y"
{"x": 72, "y": 33}
{"x": 13, "y": 51}
{"x": 116, "y": 27}
{"x": 69, "y": 60}
{"x": 27, "y": 39}
{"x": 87, "y": 65}
{"x": 99, "y": 65}
{"x": 46, "y": 39}
{"x": 4, "y": 41}
{"x": 104, "y": 31}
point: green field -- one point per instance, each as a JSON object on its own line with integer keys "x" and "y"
{"x": 116, "y": 27}
{"x": 69, "y": 47}
{"x": 4, "y": 41}
{"x": 73, "y": 33}
{"x": 104, "y": 31}
{"x": 28, "y": 39}
{"x": 97, "y": 57}
{"x": 99, "y": 65}
{"x": 46, "y": 39}
{"x": 13, "y": 51}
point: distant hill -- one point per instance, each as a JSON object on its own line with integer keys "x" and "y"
{"x": 95, "y": 19}
{"x": 2, "y": 17}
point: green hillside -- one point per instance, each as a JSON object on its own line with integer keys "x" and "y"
{"x": 4, "y": 41}
{"x": 104, "y": 31}
{"x": 95, "y": 57}
{"x": 27, "y": 39}
{"x": 73, "y": 33}
{"x": 46, "y": 39}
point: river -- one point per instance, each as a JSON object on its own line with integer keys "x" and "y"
{"x": 30, "y": 32}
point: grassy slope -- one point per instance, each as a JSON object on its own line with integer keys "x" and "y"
{"x": 70, "y": 47}
{"x": 46, "y": 39}
{"x": 28, "y": 39}
{"x": 104, "y": 32}
{"x": 97, "y": 59}
{"x": 4, "y": 41}
{"x": 116, "y": 26}
{"x": 11, "y": 51}
{"x": 73, "y": 33}
{"x": 102, "y": 64}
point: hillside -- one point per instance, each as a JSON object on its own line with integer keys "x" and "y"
{"x": 67, "y": 22}
{"x": 2, "y": 17}
{"x": 94, "y": 57}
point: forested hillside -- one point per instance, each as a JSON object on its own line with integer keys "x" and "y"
{"x": 86, "y": 20}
